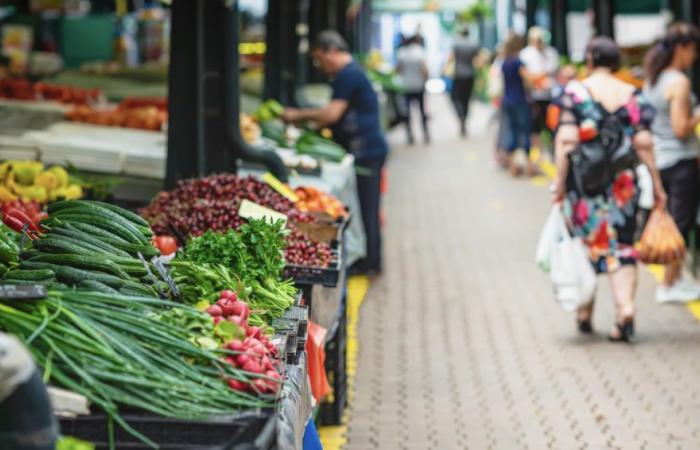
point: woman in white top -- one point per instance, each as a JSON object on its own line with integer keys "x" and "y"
{"x": 668, "y": 89}
{"x": 414, "y": 73}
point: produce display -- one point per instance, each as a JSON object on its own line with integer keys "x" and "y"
{"x": 113, "y": 349}
{"x": 317, "y": 201}
{"x": 212, "y": 203}
{"x": 305, "y": 141}
{"x": 31, "y": 181}
{"x": 23, "y": 89}
{"x": 194, "y": 335}
{"x": 142, "y": 118}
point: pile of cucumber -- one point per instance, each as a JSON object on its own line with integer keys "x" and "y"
{"x": 91, "y": 245}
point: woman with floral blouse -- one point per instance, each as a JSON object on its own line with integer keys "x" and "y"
{"x": 602, "y": 110}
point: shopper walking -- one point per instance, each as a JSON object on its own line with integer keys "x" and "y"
{"x": 675, "y": 142}
{"x": 413, "y": 70}
{"x": 515, "y": 102}
{"x": 542, "y": 61}
{"x": 604, "y": 119}
{"x": 353, "y": 115}
{"x": 463, "y": 54}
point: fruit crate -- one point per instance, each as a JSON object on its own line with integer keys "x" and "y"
{"x": 332, "y": 407}
{"x": 249, "y": 431}
{"x": 326, "y": 276}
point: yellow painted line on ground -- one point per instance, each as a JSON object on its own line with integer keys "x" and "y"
{"x": 335, "y": 437}
{"x": 657, "y": 271}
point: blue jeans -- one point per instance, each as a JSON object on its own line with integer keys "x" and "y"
{"x": 520, "y": 122}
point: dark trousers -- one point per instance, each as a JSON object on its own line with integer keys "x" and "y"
{"x": 681, "y": 184}
{"x": 416, "y": 97}
{"x": 520, "y": 122}
{"x": 461, "y": 96}
{"x": 369, "y": 192}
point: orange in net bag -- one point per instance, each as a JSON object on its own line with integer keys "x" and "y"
{"x": 661, "y": 241}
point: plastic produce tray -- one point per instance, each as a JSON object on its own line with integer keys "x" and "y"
{"x": 326, "y": 276}
{"x": 254, "y": 431}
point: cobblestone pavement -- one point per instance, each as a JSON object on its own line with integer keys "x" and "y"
{"x": 462, "y": 345}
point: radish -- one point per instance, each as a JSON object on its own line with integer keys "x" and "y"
{"x": 235, "y": 345}
{"x": 254, "y": 332}
{"x": 218, "y": 319}
{"x": 243, "y": 359}
{"x": 241, "y": 322}
{"x": 272, "y": 374}
{"x": 228, "y": 295}
{"x": 215, "y": 311}
{"x": 261, "y": 385}
{"x": 241, "y": 309}
{"x": 222, "y": 302}
{"x": 231, "y": 360}
{"x": 229, "y": 309}
{"x": 252, "y": 366}
{"x": 237, "y": 385}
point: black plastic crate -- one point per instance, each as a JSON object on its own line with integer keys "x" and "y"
{"x": 299, "y": 314}
{"x": 250, "y": 431}
{"x": 326, "y": 276}
{"x": 332, "y": 407}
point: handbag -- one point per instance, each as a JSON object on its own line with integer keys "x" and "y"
{"x": 595, "y": 163}
{"x": 550, "y": 236}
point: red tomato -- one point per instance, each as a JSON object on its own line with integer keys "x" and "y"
{"x": 166, "y": 244}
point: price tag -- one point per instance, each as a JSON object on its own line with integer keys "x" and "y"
{"x": 22, "y": 292}
{"x": 280, "y": 187}
{"x": 250, "y": 210}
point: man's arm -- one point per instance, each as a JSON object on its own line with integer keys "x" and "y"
{"x": 327, "y": 115}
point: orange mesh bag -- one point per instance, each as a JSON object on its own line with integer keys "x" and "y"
{"x": 661, "y": 241}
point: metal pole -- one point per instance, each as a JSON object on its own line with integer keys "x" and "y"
{"x": 604, "y": 17}
{"x": 559, "y": 11}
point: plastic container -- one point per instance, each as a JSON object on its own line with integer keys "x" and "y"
{"x": 246, "y": 430}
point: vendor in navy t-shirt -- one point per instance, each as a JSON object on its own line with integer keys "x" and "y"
{"x": 353, "y": 116}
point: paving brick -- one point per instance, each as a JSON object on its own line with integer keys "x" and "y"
{"x": 461, "y": 344}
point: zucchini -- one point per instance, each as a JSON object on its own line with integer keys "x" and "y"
{"x": 129, "y": 233}
{"x": 321, "y": 151}
{"x": 82, "y": 262}
{"x": 30, "y": 275}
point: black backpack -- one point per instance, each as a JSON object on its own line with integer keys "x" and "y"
{"x": 594, "y": 164}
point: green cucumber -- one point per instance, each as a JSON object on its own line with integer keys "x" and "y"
{"x": 106, "y": 220}
{"x": 63, "y": 244}
{"x": 75, "y": 276}
{"x": 30, "y": 275}
{"x": 82, "y": 262}
{"x": 148, "y": 251}
{"x": 97, "y": 286}
{"x": 126, "y": 214}
{"x": 96, "y": 231}
{"x": 70, "y": 231}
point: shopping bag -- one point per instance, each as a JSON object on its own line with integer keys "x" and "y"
{"x": 549, "y": 237}
{"x": 661, "y": 241}
{"x": 571, "y": 272}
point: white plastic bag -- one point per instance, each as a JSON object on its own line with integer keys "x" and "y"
{"x": 549, "y": 237}
{"x": 571, "y": 272}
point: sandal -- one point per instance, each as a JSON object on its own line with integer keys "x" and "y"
{"x": 625, "y": 331}
{"x": 584, "y": 326}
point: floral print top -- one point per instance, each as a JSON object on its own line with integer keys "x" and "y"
{"x": 607, "y": 222}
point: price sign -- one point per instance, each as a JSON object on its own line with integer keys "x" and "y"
{"x": 280, "y": 187}
{"x": 250, "y": 210}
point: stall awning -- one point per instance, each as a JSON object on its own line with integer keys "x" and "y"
{"x": 622, "y": 6}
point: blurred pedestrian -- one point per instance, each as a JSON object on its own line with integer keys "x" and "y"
{"x": 542, "y": 61}
{"x": 515, "y": 104}
{"x": 675, "y": 142}
{"x": 601, "y": 133}
{"x": 464, "y": 52}
{"x": 353, "y": 115}
{"x": 495, "y": 93}
{"x": 413, "y": 70}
